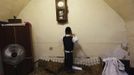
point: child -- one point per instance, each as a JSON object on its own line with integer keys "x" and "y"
{"x": 68, "y": 41}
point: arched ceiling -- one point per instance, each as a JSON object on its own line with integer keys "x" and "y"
{"x": 125, "y": 8}
{"x": 10, "y": 8}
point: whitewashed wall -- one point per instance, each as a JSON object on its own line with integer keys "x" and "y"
{"x": 130, "y": 27}
{"x": 99, "y": 28}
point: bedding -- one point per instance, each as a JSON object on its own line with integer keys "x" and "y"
{"x": 43, "y": 67}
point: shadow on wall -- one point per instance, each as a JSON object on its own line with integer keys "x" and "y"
{"x": 78, "y": 51}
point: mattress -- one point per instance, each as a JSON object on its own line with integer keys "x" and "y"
{"x": 55, "y": 66}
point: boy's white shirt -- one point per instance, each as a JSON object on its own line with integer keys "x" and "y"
{"x": 75, "y": 38}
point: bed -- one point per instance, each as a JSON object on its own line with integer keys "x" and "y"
{"x": 55, "y": 66}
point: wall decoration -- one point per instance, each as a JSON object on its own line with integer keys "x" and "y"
{"x": 61, "y": 11}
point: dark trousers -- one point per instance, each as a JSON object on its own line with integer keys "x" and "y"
{"x": 68, "y": 61}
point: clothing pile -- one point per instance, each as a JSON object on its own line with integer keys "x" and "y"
{"x": 113, "y": 66}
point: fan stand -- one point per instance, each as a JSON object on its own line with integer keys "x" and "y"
{"x": 15, "y": 68}
{"x": 15, "y": 65}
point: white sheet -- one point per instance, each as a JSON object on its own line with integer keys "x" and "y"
{"x": 113, "y": 66}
